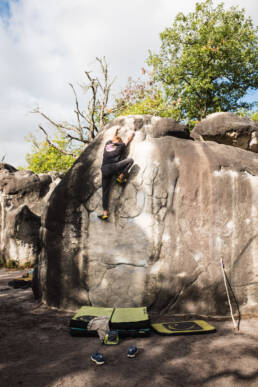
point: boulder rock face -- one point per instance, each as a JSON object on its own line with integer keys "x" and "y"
{"x": 186, "y": 205}
{"x": 228, "y": 129}
{"x": 23, "y": 196}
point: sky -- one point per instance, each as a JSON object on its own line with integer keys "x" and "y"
{"x": 45, "y": 45}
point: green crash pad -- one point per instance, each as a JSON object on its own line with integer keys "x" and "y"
{"x": 91, "y": 311}
{"x": 87, "y": 313}
{"x": 128, "y": 318}
{"x": 127, "y": 321}
{"x": 183, "y": 327}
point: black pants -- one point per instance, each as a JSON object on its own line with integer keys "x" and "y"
{"x": 108, "y": 171}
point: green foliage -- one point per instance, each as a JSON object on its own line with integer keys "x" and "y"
{"x": 141, "y": 97}
{"x": 27, "y": 265}
{"x": 10, "y": 264}
{"x": 14, "y": 264}
{"x": 150, "y": 105}
{"x": 252, "y": 114}
{"x": 44, "y": 158}
{"x": 208, "y": 60}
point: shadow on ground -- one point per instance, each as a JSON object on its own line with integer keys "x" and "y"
{"x": 37, "y": 350}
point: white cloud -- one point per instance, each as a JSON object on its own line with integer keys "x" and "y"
{"x": 46, "y": 44}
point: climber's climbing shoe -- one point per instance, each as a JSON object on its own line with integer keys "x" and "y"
{"x": 103, "y": 217}
{"x": 121, "y": 181}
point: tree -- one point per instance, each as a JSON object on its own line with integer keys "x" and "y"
{"x": 252, "y": 114}
{"x": 87, "y": 123}
{"x": 44, "y": 158}
{"x": 208, "y": 60}
{"x": 145, "y": 97}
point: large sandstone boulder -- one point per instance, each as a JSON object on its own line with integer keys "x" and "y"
{"x": 186, "y": 205}
{"x": 23, "y": 196}
{"x": 229, "y": 129}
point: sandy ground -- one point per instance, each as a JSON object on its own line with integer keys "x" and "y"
{"x": 36, "y": 349}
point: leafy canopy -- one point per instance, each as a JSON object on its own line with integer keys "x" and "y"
{"x": 208, "y": 59}
{"x": 145, "y": 97}
{"x": 44, "y": 158}
{"x": 252, "y": 114}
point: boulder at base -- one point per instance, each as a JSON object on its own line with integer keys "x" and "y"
{"x": 23, "y": 196}
{"x": 186, "y": 204}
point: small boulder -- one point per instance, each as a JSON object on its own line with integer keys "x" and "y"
{"x": 23, "y": 197}
{"x": 228, "y": 129}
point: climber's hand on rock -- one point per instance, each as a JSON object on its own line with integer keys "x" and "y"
{"x": 130, "y": 138}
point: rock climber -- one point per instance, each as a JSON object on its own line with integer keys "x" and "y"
{"x": 112, "y": 165}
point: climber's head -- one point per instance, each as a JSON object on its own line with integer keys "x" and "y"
{"x": 117, "y": 139}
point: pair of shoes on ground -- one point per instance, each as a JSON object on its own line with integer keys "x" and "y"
{"x": 99, "y": 359}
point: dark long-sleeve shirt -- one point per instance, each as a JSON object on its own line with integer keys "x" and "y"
{"x": 112, "y": 152}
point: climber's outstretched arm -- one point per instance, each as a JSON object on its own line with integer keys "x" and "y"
{"x": 129, "y": 138}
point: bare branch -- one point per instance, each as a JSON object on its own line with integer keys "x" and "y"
{"x": 105, "y": 89}
{"x": 77, "y": 139}
{"x": 56, "y": 124}
{"x": 103, "y": 65}
{"x": 92, "y": 105}
{"x": 59, "y": 125}
{"x": 88, "y": 122}
{"x": 78, "y": 112}
{"x": 50, "y": 143}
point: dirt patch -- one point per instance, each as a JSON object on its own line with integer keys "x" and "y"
{"x": 37, "y": 350}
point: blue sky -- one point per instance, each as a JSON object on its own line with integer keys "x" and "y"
{"x": 45, "y": 44}
{"x": 4, "y": 8}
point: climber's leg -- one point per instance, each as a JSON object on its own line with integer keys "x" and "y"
{"x": 123, "y": 167}
{"x": 108, "y": 171}
{"x": 106, "y": 183}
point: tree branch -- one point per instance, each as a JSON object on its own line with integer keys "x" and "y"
{"x": 58, "y": 125}
{"x": 50, "y": 143}
{"x": 92, "y": 105}
{"x": 77, "y": 139}
{"x": 105, "y": 89}
{"x": 93, "y": 116}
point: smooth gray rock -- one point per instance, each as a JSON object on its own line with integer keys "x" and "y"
{"x": 186, "y": 204}
{"x": 229, "y": 129}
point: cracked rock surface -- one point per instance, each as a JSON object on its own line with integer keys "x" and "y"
{"x": 186, "y": 204}
{"x": 23, "y": 196}
{"x": 229, "y": 129}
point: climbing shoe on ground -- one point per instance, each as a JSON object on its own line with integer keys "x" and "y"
{"x": 121, "y": 181}
{"x": 132, "y": 351}
{"x": 97, "y": 358}
{"x": 111, "y": 338}
{"x": 103, "y": 217}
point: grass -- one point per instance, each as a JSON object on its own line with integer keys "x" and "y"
{"x": 14, "y": 264}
